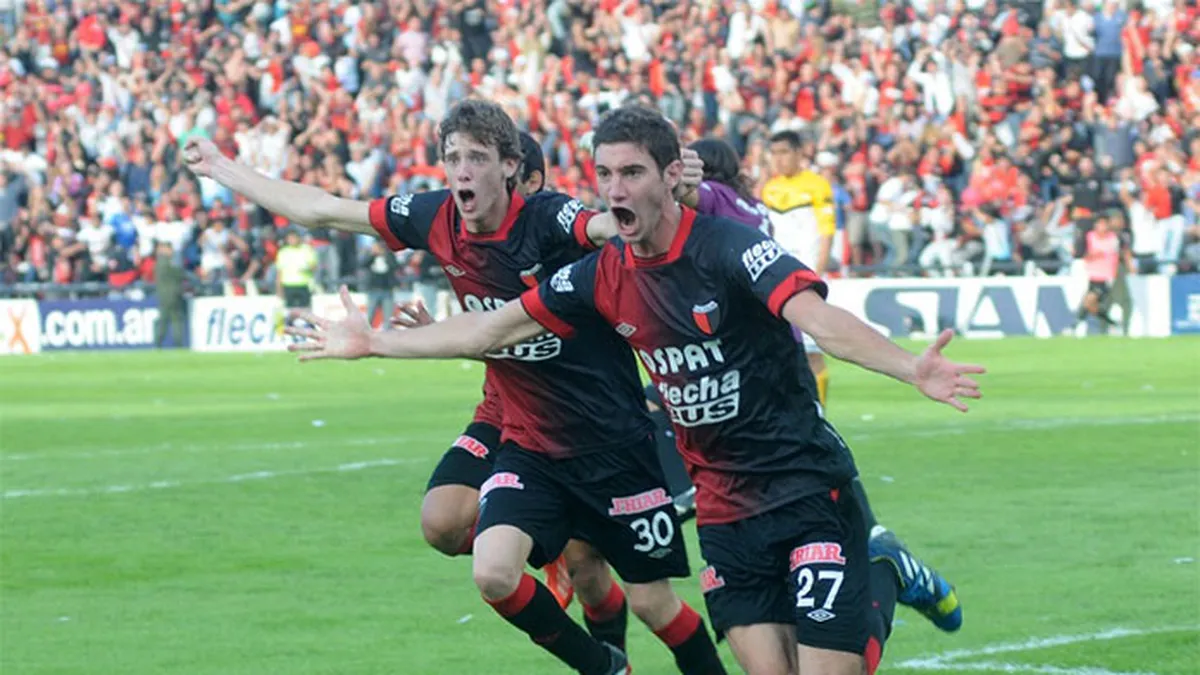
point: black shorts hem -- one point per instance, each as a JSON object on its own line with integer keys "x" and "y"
{"x": 470, "y": 460}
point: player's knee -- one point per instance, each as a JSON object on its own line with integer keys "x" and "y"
{"x": 656, "y": 603}
{"x": 589, "y": 573}
{"x": 496, "y": 580}
{"x": 445, "y": 530}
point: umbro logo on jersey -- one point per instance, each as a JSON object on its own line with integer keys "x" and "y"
{"x": 625, "y": 330}
{"x": 454, "y": 271}
{"x": 707, "y": 316}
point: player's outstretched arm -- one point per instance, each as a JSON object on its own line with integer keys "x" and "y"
{"x": 843, "y": 335}
{"x": 305, "y": 205}
{"x": 467, "y": 335}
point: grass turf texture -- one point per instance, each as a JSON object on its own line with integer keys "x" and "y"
{"x": 232, "y": 514}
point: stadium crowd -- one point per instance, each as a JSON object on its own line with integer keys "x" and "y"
{"x": 960, "y": 136}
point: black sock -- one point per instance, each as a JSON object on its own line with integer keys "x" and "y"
{"x": 608, "y": 620}
{"x": 860, "y": 495}
{"x": 695, "y": 653}
{"x": 533, "y": 609}
{"x": 884, "y": 588}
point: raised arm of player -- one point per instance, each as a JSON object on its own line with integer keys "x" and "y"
{"x": 467, "y": 335}
{"x": 305, "y": 205}
{"x": 843, "y": 335}
{"x": 603, "y": 226}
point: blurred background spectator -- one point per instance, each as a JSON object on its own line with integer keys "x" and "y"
{"x": 961, "y": 136}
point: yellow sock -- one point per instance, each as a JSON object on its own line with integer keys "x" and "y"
{"x": 822, "y": 386}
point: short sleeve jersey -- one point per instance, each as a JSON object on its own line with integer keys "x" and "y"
{"x": 705, "y": 320}
{"x": 562, "y": 397}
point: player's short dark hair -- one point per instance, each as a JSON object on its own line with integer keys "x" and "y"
{"x": 787, "y": 136}
{"x": 722, "y": 165}
{"x": 487, "y": 123}
{"x": 641, "y": 126}
{"x": 533, "y": 158}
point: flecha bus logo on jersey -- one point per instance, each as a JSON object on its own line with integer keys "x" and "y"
{"x": 639, "y": 503}
{"x": 817, "y": 552}
{"x": 472, "y": 445}
{"x": 707, "y": 316}
{"x": 504, "y": 479}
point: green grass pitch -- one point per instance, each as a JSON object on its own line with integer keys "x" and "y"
{"x": 229, "y": 514}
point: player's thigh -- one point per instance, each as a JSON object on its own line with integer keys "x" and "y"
{"x": 525, "y": 493}
{"x": 622, "y": 507}
{"x": 745, "y": 582}
{"x": 451, "y": 503}
{"x": 829, "y": 573}
{"x": 764, "y": 648}
{"x": 814, "y": 661}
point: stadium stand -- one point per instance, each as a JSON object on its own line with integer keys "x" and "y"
{"x": 965, "y": 137}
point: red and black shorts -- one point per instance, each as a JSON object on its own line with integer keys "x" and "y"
{"x": 804, "y": 564}
{"x": 616, "y": 500}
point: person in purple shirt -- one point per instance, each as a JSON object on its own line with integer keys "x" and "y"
{"x": 725, "y": 191}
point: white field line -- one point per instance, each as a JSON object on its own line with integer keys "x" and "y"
{"x": 173, "y": 448}
{"x": 236, "y": 478}
{"x": 852, "y": 432}
{"x": 956, "y": 660}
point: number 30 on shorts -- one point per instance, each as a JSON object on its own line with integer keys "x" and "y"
{"x": 658, "y": 530}
{"x": 805, "y": 581}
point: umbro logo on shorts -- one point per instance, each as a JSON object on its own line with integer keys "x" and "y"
{"x": 821, "y": 615}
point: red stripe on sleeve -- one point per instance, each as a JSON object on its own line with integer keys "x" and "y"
{"x": 532, "y": 302}
{"x": 378, "y": 216}
{"x": 793, "y": 284}
{"x": 581, "y": 235}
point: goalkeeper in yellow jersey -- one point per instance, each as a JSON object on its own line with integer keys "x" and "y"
{"x": 800, "y": 203}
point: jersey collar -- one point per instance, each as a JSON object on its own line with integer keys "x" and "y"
{"x": 686, "y": 219}
{"x": 515, "y": 203}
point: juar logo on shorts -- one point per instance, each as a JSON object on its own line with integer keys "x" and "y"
{"x": 710, "y": 580}
{"x": 639, "y": 503}
{"x": 818, "y": 552}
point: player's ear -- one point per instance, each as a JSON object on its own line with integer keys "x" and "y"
{"x": 673, "y": 174}
{"x": 510, "y": 167}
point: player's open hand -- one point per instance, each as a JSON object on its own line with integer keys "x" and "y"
{"x": 413, "y": 315}
{"x": 693, "y": 172}
{"x": 199, "y": 155}
{"x": 349, "y": 338}
{"x": 943, "y": 380}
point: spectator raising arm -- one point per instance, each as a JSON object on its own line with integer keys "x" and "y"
{"x": 305, "y": 205}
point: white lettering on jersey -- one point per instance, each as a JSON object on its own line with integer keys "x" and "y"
{"x": 759, "y": 257}
{"x": 711, "y": 399}
{"x": 568, "y": 213}
{"x": 542, "y": 348}
{"x": 399, "y": 205}
{"x": 693, "y": 357}
{"x": 561, "y": 281}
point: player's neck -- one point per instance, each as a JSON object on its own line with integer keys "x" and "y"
{"x": 492, "y": 221}
{"x": 660, "y": 242}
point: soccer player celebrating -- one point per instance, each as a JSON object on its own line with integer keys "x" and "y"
{"x": 708, "y": 305}
{"x": 576, "y": 460}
